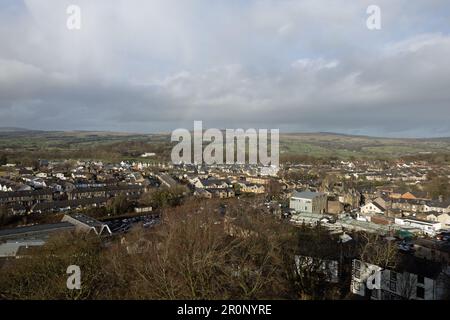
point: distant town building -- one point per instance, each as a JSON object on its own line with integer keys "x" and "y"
{"x": 87, "y": 224}
{"x": 373, "y": 207}
{"x": 426, "y": 227}
{"x": 308, "y": 202}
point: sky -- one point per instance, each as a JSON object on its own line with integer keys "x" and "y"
{"x": 293, "y": 65}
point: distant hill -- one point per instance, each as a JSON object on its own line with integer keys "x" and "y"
{"x": 320, "y": 144}
{"x": 13, "y": 129}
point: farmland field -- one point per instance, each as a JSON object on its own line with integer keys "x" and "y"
{"x": 28, "y": 145}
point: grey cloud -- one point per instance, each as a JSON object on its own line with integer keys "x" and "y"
{"x": 296, "y": 65}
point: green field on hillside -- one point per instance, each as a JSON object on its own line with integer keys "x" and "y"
{"x": 114, "y": 146}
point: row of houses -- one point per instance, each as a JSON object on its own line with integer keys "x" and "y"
{"x": 47, "y": 200}
{"x": 425, "y": 215}
{"x": 212, "y": 187}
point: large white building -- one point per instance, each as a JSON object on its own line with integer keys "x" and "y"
{"x": 427, "y": 227}
{"x": 308, "y": 202}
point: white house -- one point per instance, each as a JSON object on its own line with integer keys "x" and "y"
{"x": 437, "y": 206}
{"x": 308, "y": 202}
{"x": 427, "y": 227}
{"x": 443, "y": 218}
{"x": 372, "y": 207}
{"x": 421, "y": 282}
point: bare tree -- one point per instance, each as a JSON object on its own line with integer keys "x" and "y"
{"x": 192, "y": 256}
{"x": 377, "y": 250}
{"x": 407, "y": 285}
{"x": 316, "y": 274}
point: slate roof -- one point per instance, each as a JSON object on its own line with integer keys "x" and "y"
{"x": 306, "y": 194}
{"x": 40, "y": 228}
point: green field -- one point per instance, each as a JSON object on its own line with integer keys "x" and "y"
{"x": 346, "y": 146}
{"x": 25, "y": 146}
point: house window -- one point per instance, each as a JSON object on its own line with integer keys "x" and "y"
{"x": 420, "y": 293}
{"x": 393, "y": 276}
{"x": 357, "y": 264}
{"x": 357, "y": 274}
{"x": 421, "y": 279}
{"x": 393, "y": 286}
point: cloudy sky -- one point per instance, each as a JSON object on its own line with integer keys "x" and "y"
{"x": 297, "y": 65}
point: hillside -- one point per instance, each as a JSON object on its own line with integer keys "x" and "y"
{"x": 330, "y": 144}
{"x": 119, "y": 145}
